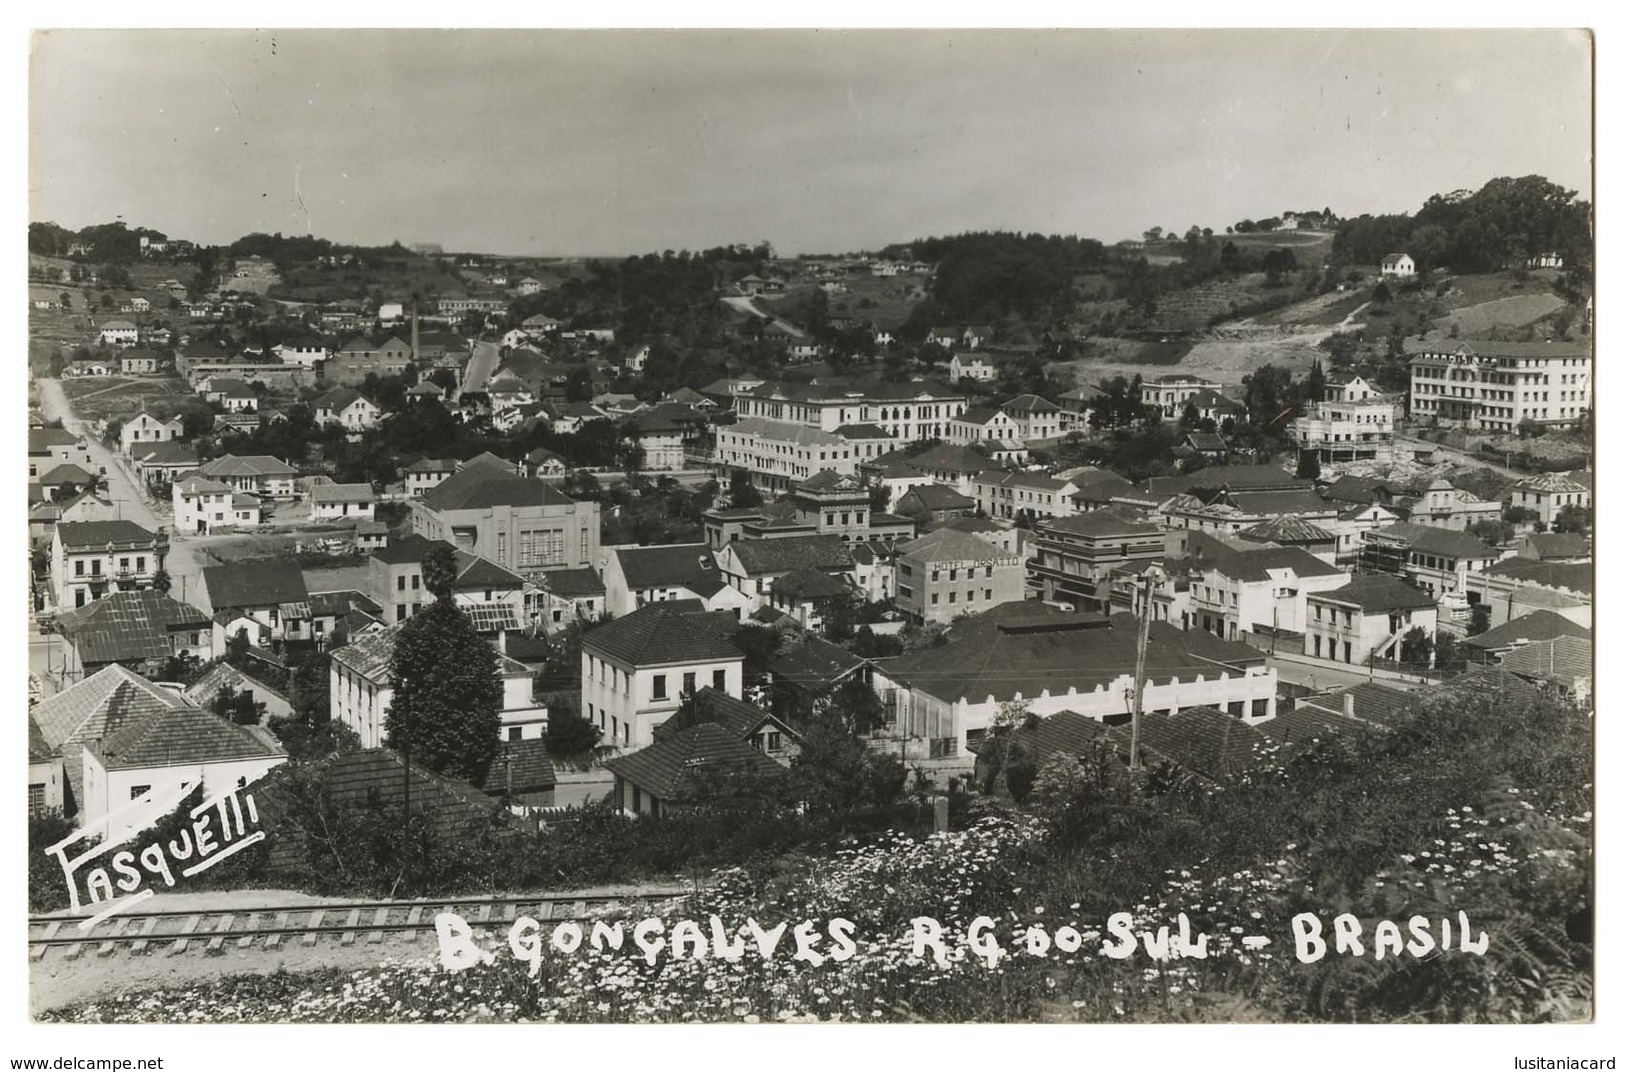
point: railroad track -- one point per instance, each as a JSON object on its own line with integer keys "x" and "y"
{"x": 348, "y": 922}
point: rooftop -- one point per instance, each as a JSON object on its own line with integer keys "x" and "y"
{"x": 694, "y": 762}
{"x": 1536, "y": 625}
{"x": 790, "y": 553}
{"x": 258, "y": 583}
{"x": 668, "y": 566}
{"x": 129, "y": 627}
{"x": 88, "y": 535}
{"x": 658, "y": 634}
{"x": 183, "y": 737}
{"x": 1377, "y": 593}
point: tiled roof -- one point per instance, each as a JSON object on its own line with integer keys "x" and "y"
{"x": 830, "y": 480}
{"x": 1279, "y": 503}
{"x": 65, "y": 473}
{"x": 658, "y": 634}
{"x": 978, "y": 415}
{"x": 479, "y": 489}
{"x": 1375, "y": 593}
{"x": 1287, "y": 530}
{"x": 169, "y": 452}
{"x": 759, "y": 557}
{"x": 1536, "y": 625}
{"x": 948, "y": 458}
{"x": 1304, "y": 725}
{"x": 1232, "y": 477}
{"x": 1373, "y": 702}
{"x": 335, "y": 604}
{"x": 669, "y": 566}
{"x": 572, "y": 583}
{"x": 370, "y": 656}
{"x": 343, "y": 493}
{"x": 1030, "y": 404}
{"x": 371, "y": 777}
{"x": 814, "y": 663}
{"x": 1028, "y": 647}
{"x": 808, "y": 583}
{"x": 692, "y": 761}
{"x": 38, "y": 750}
{"x": 432, "y": 465}
{"x": 666, "y": 417}
{"x": 41, "y": 440}
{"x": 940, "y": 497}
{"x": 1551, "y": 482}
{"x": 863, "y": 431}
{"x": 738, "y": 717}
{"x": 1564, "y": 658}
{"x": 253, "y": 584}
{"x": 129, "y": 626}
{"x": 1065, "y": 732}
{"x": 202, "y": 691}
{"x": 99, "y": 704}
{"x": 520, "y": 767}
{"x": 951, "y": 545}
{"x": 1550, "y": 545}
{"x": 181, "y": 737}
{"x": 476, "y": 572}
{"x": 1097, "y": 523}
{"x": 86, "y": 535}
{"x": 1256, "y": 565}
{"x": 1210, "y": 743}
{"x": 1432, "y": 540}
{"x": 253, "y": 465}
{"x": 1575, "y": 576}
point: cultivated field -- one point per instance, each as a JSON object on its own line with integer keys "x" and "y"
{"x": 108, "y": 397}
{"x": 1517, "y": 311}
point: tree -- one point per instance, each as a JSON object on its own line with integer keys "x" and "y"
{"x": 448, "y": 694}
{"x": 1011, "y": 716}
{"x": 1573, "y": 518}
{"x": 1382, "y": 295}
{"x": 834, "y": 773}
{"x": 857, "y": 707}
{"x": 742, "y": 494}
{"x": 1308, "y": 465}
{"x": 569, "y": 732}
{"x": 161, "y": 582}
{"x": 239, "y": 707}
{"x": 1480, "y": 619}
{"x": 1416, "y": 647}
{"x": 1448, "y": 653}
{"x": 237, "y": 646}
{"x": 1189, "y": 418}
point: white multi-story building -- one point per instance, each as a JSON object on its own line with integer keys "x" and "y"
{"x": 361, "y": 689}
{"x": 1258, "y": 595}
{"x": 1497, "y": 386}
{"x": 1170, "y": 393}
{"x": 1549, "y": 493}
{"x": 906, "y": 411}
{"x": 146, "y": 428}
{"x": 1354, "y": 423}
{"x": 780, "y": 454}
{"x": 90, "y": 559}
{"x": 635, "y": 670}
{"x": 1366, "y": 618}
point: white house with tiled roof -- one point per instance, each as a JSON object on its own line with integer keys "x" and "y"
{"x": 145, "y": 427}
{"x": 1549, "y": 493}
{"x": 1398, "y": 266}
{"x": 636, "y": 669}
{"x": 119, "y": 333}
{"x": 168, "y": 751}
{"x": 255, "y": 474}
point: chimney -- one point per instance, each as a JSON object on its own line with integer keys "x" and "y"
{"x": 1348, "y": 705}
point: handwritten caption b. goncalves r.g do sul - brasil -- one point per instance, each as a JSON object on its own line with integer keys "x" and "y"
{"x": 813, "y": 941}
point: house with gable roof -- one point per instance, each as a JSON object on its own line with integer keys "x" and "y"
{"x": 518, "y": 522}
{"x": 145, "y": 428}
{"x": 636, "y": 669}
{"x": 348, "y": 408}
{"x": 171, "y": 750}
{"x": 701, "y": 763}
{"x": 254, "y": 474}
{"x": 140, "y": 630}
{"x": 90, "y": 559}
{"x": 1367, "y": 618}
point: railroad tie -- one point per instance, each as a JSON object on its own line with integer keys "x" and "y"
{"x": 180, "y": 944}
{"x": 581, "y": 910}
{"x": 107, "y": 947}
{"x": 348, "y": 937}
{"x": 273, "y": 940}
{"x": 484, "y": 915}
{"x": 544, "y": 911}
{"x": 139, "y": 946}
{"x": 379, "y": 918}
{"x": 412, "y": 918}
{"x": 220, "y": 929}
{"x": 510, "y": 912}
{"x": 38, "y": 952}
{"x": 314, "y": 922}
{"x": 251, "y": 926}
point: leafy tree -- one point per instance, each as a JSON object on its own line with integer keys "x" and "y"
{"x": 1308, "y": 465}
{"x": 1448, "y": 653}
{"x": 1573, "y": 518}
{"x": 1416, "y": 646}
{"x": 1480, "y": 619}
{"x": 161, "y": 582}
{"x": 834, "y": 773}
{"x": 1381, "y": 295}
{"x": 448, "y": 694}
{"x": 237, "y": 646}
{"x": 569, "y": 732}
{"x": 237, "y": 706}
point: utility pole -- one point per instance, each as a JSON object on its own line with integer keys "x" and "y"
{"x": 1147, "y": 580}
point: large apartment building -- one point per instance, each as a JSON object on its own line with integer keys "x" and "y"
{"x": 1496, "y": 386}
{"x": 520, "y": 523}
{"x": 778, "y": 455}
{"x": 1076, "y": 556}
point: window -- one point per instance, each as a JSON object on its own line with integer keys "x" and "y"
{"x": 933, "y": 599}
{"x": 139, "y": 791}
{"x": 417, "y": 582}
{"x": 637, "y": 799}
{"x": 719, "y": 680}
{"x": 774, "y": 741}
{"x": 79, "y": 568}
{"x": 400, "y": 612}
{"x": 688, "y": 684}
{"x": 953, "y": 597}
{"x": 659, "y": 687}
{"x": 400, "y": 583}
{"x": 36, "y": 797}
{"x": 541, "y": 547}
{"x": 987, "y": 594}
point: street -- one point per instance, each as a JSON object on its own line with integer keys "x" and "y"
{"x": 1320, "y": 675}
{"x": 481, "y": 364}
{"x": 1460, "y": 457}
{"x": 185, "y": 570}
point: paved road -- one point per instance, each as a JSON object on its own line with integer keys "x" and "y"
{"x": 185, "y": 569}
{"x": 481, "y": 364}
{"x": 1319, "y": 674}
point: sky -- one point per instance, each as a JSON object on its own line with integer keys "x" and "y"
{"x": 620, "y": 142}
